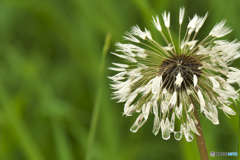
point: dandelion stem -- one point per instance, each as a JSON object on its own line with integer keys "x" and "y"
{"x": 96, "y": 107}
{"x": 200, "y": 140}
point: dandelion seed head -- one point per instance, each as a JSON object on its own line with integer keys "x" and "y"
{"x": 173, "y": 79}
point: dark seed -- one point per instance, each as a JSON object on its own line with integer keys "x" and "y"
{"x": 186, "y": 65}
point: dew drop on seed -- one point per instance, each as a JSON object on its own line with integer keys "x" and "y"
{"x": 138, "y": 123}
{"x": 189, "y": 137}
{"x": 166, "y": 134}
{"x": 134, "y": 128}
{"x": 178, "y": 135}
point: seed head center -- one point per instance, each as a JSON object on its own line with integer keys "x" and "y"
{"x": 186, "y": 65}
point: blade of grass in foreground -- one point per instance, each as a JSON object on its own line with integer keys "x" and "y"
{"x": 96, "y": 107}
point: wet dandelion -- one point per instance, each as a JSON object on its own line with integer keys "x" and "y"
{"x": 174, "y": 79}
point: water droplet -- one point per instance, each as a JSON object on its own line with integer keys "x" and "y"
{"x": 178, "y": 135}
{"x": 166, "y": 134}
{"x": 189, "y": 137}
{"x": 134, "y": 128}
{"x": 138, "y": 123}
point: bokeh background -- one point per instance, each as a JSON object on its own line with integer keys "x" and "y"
{"x": 50, "y": 80}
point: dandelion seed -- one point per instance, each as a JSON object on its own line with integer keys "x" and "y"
{"x": 168, "y": 81}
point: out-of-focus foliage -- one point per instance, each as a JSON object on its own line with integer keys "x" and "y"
{"x": 50, "y": 52}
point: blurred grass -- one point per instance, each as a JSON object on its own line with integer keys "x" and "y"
{"x": 97, "y": 103}
{"x": 50, "y": 54}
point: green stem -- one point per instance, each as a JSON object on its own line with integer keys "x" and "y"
{"x": 96, "y": 107}
{"x": 200, "y": 140}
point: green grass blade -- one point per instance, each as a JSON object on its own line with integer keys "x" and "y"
{"x": 96, "y": 107}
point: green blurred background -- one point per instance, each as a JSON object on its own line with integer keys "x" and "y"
{"x": 50, "y": 55}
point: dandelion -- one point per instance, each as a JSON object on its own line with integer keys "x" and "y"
{"x": 172, "y": 80}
